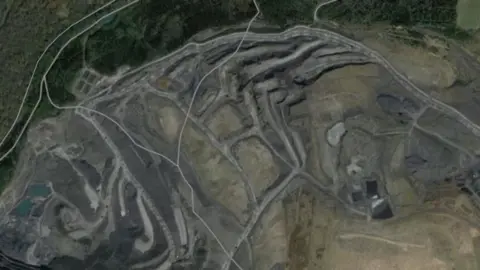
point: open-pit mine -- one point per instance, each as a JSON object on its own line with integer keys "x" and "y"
{"x": 301, "y": 149}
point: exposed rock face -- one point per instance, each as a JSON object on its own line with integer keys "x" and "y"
{"x": 335, "y": 133}
{"x": 284, "y": 157}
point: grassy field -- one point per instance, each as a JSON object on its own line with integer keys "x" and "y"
{"x": 468, "y": 14}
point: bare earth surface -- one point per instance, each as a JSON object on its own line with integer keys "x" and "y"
{"x": 306, "y": 150}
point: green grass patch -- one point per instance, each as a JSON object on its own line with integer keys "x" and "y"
{"x": 468, "y": 14}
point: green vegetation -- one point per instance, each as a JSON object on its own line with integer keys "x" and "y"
{"x": 141, "y": 32}
{"x": 59, "y": 95}
{"x": 398, "y": 12}
{"x": 5, "y": 6}
{"x": 20, "y": 52}
{"x": 25, "y": 34}
{"x": 468, "y": 14}
{"x": 288, "y": 12}
{"x": 154, "y": 28}
{"x": 28, "y": 28}
{"x": 437, "y": 15}
{"x": 64, "y": 71}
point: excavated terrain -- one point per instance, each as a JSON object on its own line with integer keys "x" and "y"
{"x": 305, "y": 150}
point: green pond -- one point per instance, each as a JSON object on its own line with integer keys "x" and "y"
{"x": 38, "y": 190}
{"x": 24, "y": 208}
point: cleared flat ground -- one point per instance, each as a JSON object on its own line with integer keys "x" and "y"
{"x": 321, "y": 238}
{"x": 468, "y": 17}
